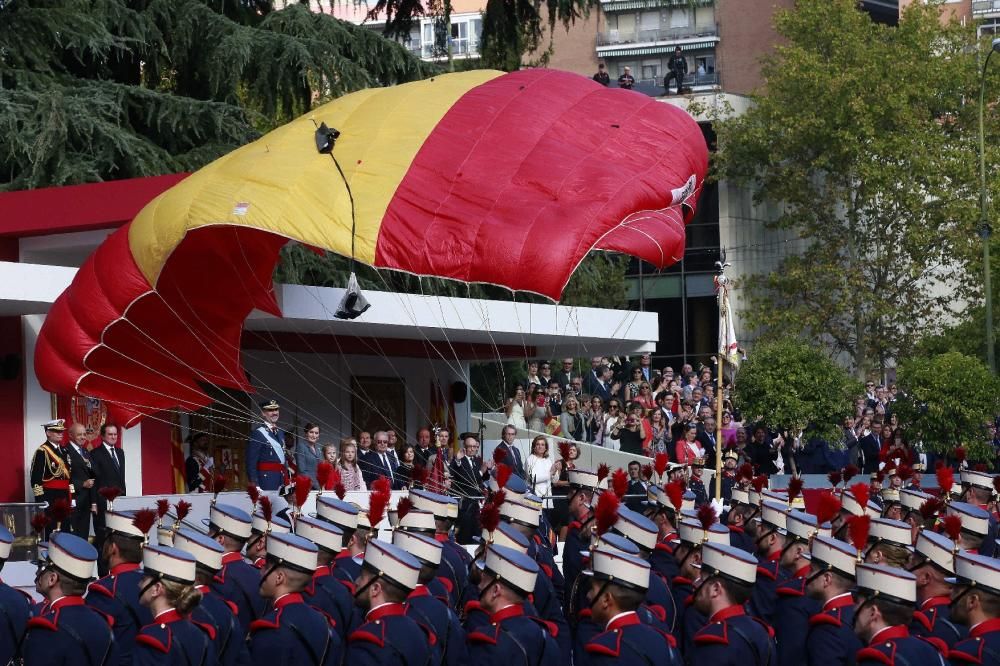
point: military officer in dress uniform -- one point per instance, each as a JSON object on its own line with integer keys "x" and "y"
{"x": 975, "y": 525}
{"x": 891, "y": 543}
{"x": 831, "y": 640}
{"x": 167, "y": 589}
{"x": 427, "y": 609}
{"x": 15, "y": 607}
{"x": 238, "y": 581}
{"x": 738, "y": 520}
{"x": 618, "y": 586}
{"x": 230, "y": 648}
{"x": 976, "y": 603}
{"x": 266, "y": 464}
{"x": 794, "y": 608}
{"x": 386, "y": 635}
{"x": 69, "y": 631}
{"x": 643, "y": 533}
{"x": 325, "y": 591}
{"x": 51, "y": 469}
{"x": 347, "y": 563}
{"x": 771, "y": 538}
{"x": 730, "y": 460}
{"x": 883, "y": 611}
{"x": 260, "y": 527}
{"x": 117, "y": 594}
{"x": 932, "y": 562}
{"x": 691, "y": 537}
{"x": 695, "y": 483}
{"x": 512, "y": 638}
{"x": 583, "y": 484}
{"x": 292, "y": 632}
{"x": 454, "y": 563}
{"x": 979, "y": 490}
{"x": 731, "y": 637}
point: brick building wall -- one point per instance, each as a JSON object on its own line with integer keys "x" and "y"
{"x": 746, "y": 34}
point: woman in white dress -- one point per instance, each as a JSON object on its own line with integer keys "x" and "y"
{"x": 517, "y": 408}
{"x": 539, "y": 469}
{"x": 611, "y": 419}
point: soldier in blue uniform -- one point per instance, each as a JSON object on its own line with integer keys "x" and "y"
{"x": 325, "y": 591}
{"x": 260, "y": 527}
{"x": 426, "y": 608}
{"x": 291, "y": 632}
{"x": 770, "y": 544}
{"x": 978, "y": 490}
{"x": 213, "y": 610}
{"x": 238, "y": 581}
{"x": 618, "y": 587}
{"x": 167, "y": 589}
{"x": 69, "y": 632}
{"x": 643, "y": 533}
{"x": 883, "y": 611}
{"x": 265, "y": 460}
{"x": 738, "y": 519}
{"x": 831, "y": 640}
{"x": 691, "y": 537}
{"x": 933, "y": 562}
{"x": 347, "y": 563}
{"x": 15, "y": 607}
{"x": 975, "y": 526}
{"x": 582, "y": 485}
{"x": 976, "y": 603}
{"x": 512, "y": 637}
{"x": 731, "y": 637}
{"x": 454, "y": 566}
{"x": 794, "y": 607}
{"x": 386, "y": 635}
{"x": 695, "y": 483}
{"x": 659, "y": 509}
{"x": 117, "y": 594}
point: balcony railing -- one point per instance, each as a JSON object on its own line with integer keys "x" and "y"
{"x": 658, "y": 35}
{"x": 985, "y": 7}
{"x": 654, "y": 87}
{"x": 462, "y": 48}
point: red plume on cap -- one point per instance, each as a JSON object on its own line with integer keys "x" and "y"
{"x": 602, "y": 472}
{"x": 828, "y": 508}
{"x": 952, "y": 526}
{"x": 323, "y": 471}
{"x": 835, "y": 477}
{"x": 266, "y": 509}
{"x": 218, "y": 483}
{"x": 849, "y": 473}
{"x": 758, "y": 483}
{"x": 660, "y": 463}
{"x": 162, "y": 507}
{"x": 419, "y": 475}
{"x": 945, "y": 479}
{"x": 39, "y": 522}
{"x": 59, "y": 511}
{"x": 489, "y": 517}
{"x": 403, "y": 507}
{"x": 499, "y": 455}
{"x": 606, "y": 512}
{"x": 675, "y": 492}
{"x": 930, "y": 508}
{"x": 706, "y": 516}
{"x": 378, "y": 501}
{"x": 647, "y": 472}
{"x": 339, "y": 490}
{"x": 503, "y": 473}
{"x": 860, "y": 492}
{"x": 303, "y": 484}
{"x": 183, "y": 508}
{"x": 564, "y": 450}
{"x": 254, "y": 492}
{"x": 794, "y": 488}
{"x": 880, "y": 475}
{"x": 858, "y": 528}
{"x": 619, "y": 482}
{"x": 996, "y": 484}
{"x": 904, "y": 472}
{"x": 143, "y": 520}
{"x": 745, "y": 472}
{"x": 959, "y": 454}
{"x": 110, "y": 493}
{"x": 499, "y": 497}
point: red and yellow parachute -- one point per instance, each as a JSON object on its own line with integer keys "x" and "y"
{"x": 506, "y": 179}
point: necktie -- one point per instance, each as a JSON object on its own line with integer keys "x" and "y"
{"x": 114, "y": 458}
{"x": 388, "y": 467}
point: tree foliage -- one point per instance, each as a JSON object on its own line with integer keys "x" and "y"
{"x": 947, "y": 400}
{"x": 862, "y": 137}
{"x": 786, "y": 383}
{"x": 103, "y": 89}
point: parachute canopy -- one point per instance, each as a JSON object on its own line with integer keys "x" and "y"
{"x": 481, "y": 176}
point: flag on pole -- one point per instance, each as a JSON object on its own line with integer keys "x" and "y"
{"x": 728, "y": 347}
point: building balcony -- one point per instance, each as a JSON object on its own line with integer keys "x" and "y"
{"x": 668, "y": 35}
{"x": 694, "y": 83}
{"x": 986, "y": 8}
{"x": 609, "y": 6}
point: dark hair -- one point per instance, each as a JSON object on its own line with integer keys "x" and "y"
{"x": 739, "y": 593}
{"x": 129, "y": 549}
{"x": 634, "y": 462}
{"x": 72, "y": 587}
{"x": 626, "y": 598}
{"x": 892, "y": 612}
{"x": 309, "y": 426}
{"x": 109, "y": 424}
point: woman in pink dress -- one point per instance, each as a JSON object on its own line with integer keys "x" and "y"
{"x": 350, "y": 473}
{"x": 688, "y": 449}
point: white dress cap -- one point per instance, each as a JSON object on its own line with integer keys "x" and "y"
{"x": 974, "y": 519}
{"x": 936, "y": 548}
{"x": 582, "y": 478}
{"x": 340, "y": 513}
{"x": 515, "y": 488}
{"x": 424, "y": 548}
{"x": 849, "y": 503}
{"x": 428, "y": 501}
{"x": 206, "y": 551}
{"x": 891, "y": 531}
{"x": 56, "y": 424}
{"x": 393, "y": 563}
{"x": 506, "y": 535}
{"x": 520, "y": 513}
{"x": 514, "y": 568}
{"x": 278, "y": 525}
{"x": 876, "y": 580}
{"x": 982, "y": 480}
{"x": 293, "y": 551}
{"x": 170, "y": 563}
{"x": 452, "y": 509}
{"x": 615, "y": 566}
{"x": 231, "y": 520}
{"x": 774, "y": 515}
{"x": 911, "y": 498}
{"x": 6, "y": 542}
{"x": 739, "y": 496}
{"x": 889, "y": 496}
{"x": 830, "y": 553}
{"x": 72, "y": 556}
{"x": 729, "y": 562}
{"x": 121, "y": 523}
{"x": 637, "y": 528}
{"x": 416, "y": 520}
{"x": 325, "y": 535}
{"x": 692, "y": 533}
{"x": 803, "y": 526}
{"x": 978, "y": 571}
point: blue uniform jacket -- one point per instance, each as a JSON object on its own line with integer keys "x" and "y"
{"x": 662, "y": 559}
{"x": 15, "y": 609}
{"x": 981, "y": 647}
{"x": 260, "y": 453}
{"x": 221, "y": 615}
{"x": 512, "y": 638}
{"x": 831, "y": 640}
{"x": 346, "y": 568}
{"x": 791, "y": 618}
{"x": 733, "y": 638}
{"x": 387, "y": 637}
{"x": 932, "y": 622}
{"x": 894, "y": 646}
{"x": 542, "y": 553}
{"x": 426, "y": 609}
{"x": 117, "y": 595}
{"x": 740, "y": 539}
{"x": 294, "y": 634}
{"x": 689, "y": 619}
{"x": 577, "y": 540}
{"x": 765, "y": 591}
{"x": 627, "y": 641}
{"x": 335, "y": 599}
{"x": 239, "y": 582}
{"x": 173, "y": 641}
{"x": 70, "y": 633}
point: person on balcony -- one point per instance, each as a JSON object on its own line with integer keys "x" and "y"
{"x": 602, "y": 76}
{"x": 677, "y": 68}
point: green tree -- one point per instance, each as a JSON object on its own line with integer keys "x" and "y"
{"x": 787, "y": 383}
{"x": 861, "y": 135}
{"x": 946, "y": 400}
{"x": 105, "y": 89}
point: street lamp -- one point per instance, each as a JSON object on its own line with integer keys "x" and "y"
{"x": 984, "y": 225}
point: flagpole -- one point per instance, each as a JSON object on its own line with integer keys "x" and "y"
{"x": 718, "y": 433}
{"x": 723, "y": 285}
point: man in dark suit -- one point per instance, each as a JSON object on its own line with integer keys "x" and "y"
{"x": 379, "y": 462}
{"x": 565, "y": 375}
{"x": 82, "y": 474}
{"x": 468, "y": 475}
{"x": 602, "y": 386}
{"x": 512, "y": 455}
{"x": 424, "y": 449}
{"x": 108, "y": 463}
{"x": 706, "y": 437}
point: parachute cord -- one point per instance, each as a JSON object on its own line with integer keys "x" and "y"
{"x": 350, "y": 195}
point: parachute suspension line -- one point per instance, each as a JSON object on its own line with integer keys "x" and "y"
{"x": 485, "y": 317}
